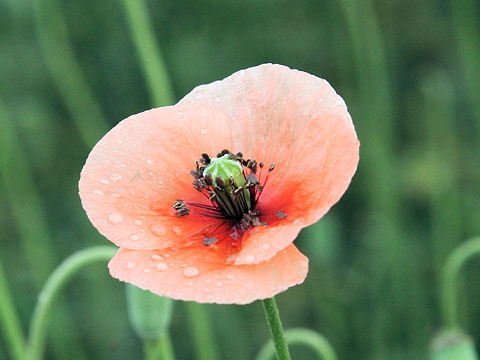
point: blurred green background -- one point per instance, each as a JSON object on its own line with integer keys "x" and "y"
{"x": 69, "y": 71}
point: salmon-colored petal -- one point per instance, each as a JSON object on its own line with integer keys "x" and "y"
{"x": 136, "y": 171}
{"x": 185, "y": 276}
{"x": 297, "y": 121}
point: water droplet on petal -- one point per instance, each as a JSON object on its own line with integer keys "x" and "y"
{"x": 115, "y": 177}
{"x": 206, "y": 290}
{"x": 98, "y": 192}
{"x": 266, "y": 246}
{"x": 298, "y": 221}
{"x": 146, "y": 270}
{"x": 131, "y": 264}
{"x": 115, "y": 218}
{"x": 138, "y": 222}
{"x": 190, "y": 283}
{"x": 162, "y": 266}
{"x": 250, "y": 258}
{"x": 149, "y": 161}
{"x": 203, "y": 131}
{"x": 190, "y": 272}
{"x": 231, "y": 258}
{"x": 115, "y": 195}
{"x": 229, "y": 276}
{"x": 219, "y": 283}
{"x": 104, "y": 181}
{"x": 208, "y": 281}
{"x": 156, "y": 257}
{"x": 158, "y": 229}
{"x": 134, "y": 237}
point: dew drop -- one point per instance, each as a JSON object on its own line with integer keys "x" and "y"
{"x": 231, "y": 258}
{"x": 177, "y": 230}
{"x": 219, "y": 283}
{"x": 146, "y": 270}
{"x": 206, "y": 290}
{"x": 115, "y": 177}
{"x": 115, "y": 195}
{"x": 208, "y": 281}
{"x": 149, "y": 161}
{"x": 104, "y": 181}
{"x": 156, "y": 257}
{"x": 250, "y": 258}
{"x": 138, "y": 222}
{"x": 131, "y": 264}
{"x": 190, "y": 272}
{"x": 229, "y": 276}
{"x": 158, "y": 229}
{"x": 115, "y": 218}
{"x": 98, "y": 192}
{"x": 266, "y": 246}
{"x": 134, "y": 237}
{"x": 298, "y": 221}
{"x": 190, "y": 283}
{"x": 161, "y": 267}
{"x": 203, "y": 131}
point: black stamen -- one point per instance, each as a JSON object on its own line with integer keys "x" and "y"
{"x": 209, "y": 240}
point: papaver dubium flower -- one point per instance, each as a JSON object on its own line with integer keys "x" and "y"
{"x": 205, "y": 198}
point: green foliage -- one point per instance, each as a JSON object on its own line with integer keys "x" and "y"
{"x": 405, "y": 69}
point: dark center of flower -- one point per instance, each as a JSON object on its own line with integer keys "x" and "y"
{"x": 231, "y": 185}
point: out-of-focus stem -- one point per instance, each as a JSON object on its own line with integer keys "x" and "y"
{"x": 467, "y": 32}
{"x": 158, "y": 349}
{"x": 9, "y": 321}
{"x": 202, "y": 332}
{"x": 66, "y": 71}
{"x": 56, "y": 281}
{"x": 149, "y": 52}
{"x": 306, "y": 337}
{"x": 16, "y": 179}
{"x": 457, "y": 259}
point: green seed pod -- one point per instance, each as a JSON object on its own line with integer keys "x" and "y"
{"x": 453, "y": 344}
{"x": 149, "y": 314}
{"x": 226, "y": 168}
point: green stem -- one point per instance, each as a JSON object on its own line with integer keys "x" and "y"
{"x": 467, "y": 33}
{"x": 66, "y": 71}
{"x": 276, "y": 329}
{"x": 9, "y": 320}
{"x": 17, "y": 181}
{"x": 158, "y": 349}
{"x": 153, "y": 65}
{"x": 201, "y": 328}
{"x": 315, "y": 341}
{"x": 451, "y": 270}
{"x": 56, "y": 281}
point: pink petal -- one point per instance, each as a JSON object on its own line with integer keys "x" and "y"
{"x": 297, "y": 121}
{"x": 190, "y": 275}
{"x": 137, "y": 170}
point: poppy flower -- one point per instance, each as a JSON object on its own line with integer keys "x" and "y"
{"x": 205, "y": 198}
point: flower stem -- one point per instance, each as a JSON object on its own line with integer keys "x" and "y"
{"x": 61, "y": 275}
{"x": 451, "y": 270}
{"x": 60, "y": 59}
{"x": 158, "y": 349}
{"x": 153, "y": 65}
{"x": 202, "y": 331}
{"x": 315, "y": 341}
{"x": 276, "y": 329}
{"x": 9, "y": 321}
